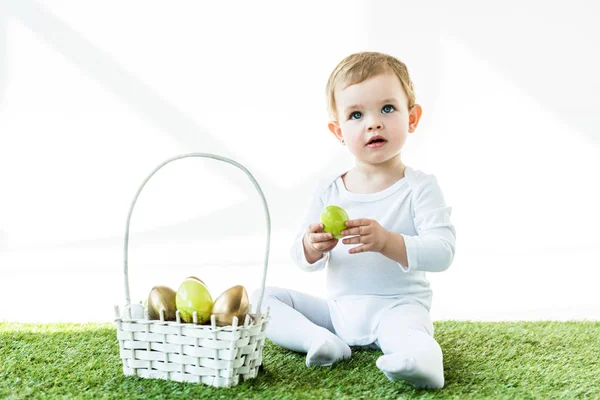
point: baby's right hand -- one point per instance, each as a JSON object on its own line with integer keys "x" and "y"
{"x": 316, "y": 242}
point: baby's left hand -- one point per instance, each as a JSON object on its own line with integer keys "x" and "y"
{"x": 373, "y": 236}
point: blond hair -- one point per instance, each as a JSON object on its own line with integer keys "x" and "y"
{"x": 359, "y": 67}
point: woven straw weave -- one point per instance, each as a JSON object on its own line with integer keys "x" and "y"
{"x": 185, "y": 352}
{"x": 219, "y": 356}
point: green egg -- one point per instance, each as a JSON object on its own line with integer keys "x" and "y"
{"x": 193, "y": 296}
{"x": 333, "y": 219}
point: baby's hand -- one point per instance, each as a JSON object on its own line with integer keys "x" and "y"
{"x": 373, "y": 236}
{"x": 316, "y": 242}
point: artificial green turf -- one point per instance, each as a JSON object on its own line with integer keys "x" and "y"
{"x": 515, "y": 360}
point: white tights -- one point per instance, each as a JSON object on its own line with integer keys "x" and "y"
{"x": 302, "y": 323}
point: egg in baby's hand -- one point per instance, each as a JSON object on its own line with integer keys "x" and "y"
{"x": 231, "y": 303}
{"x": 334, "y": 220}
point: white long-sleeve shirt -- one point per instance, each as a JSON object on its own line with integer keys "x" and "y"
{"x": 414, "y": 207}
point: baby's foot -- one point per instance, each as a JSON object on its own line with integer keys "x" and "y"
{"x": 325, "y": 352}
{"x": 395, "y": 367}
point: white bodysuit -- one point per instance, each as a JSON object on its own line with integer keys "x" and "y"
{"x": 362, "y": 287}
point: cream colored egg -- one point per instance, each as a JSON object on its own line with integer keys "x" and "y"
{"x": 135, "y": 311}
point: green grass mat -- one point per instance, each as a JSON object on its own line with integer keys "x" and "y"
{"x": 512, "y": 360}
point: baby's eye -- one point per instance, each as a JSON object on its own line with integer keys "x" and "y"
{"x": 356, "y": 115}
{"x": 388, "y": 108}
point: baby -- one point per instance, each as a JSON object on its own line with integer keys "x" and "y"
{"x": 377, "y": 291}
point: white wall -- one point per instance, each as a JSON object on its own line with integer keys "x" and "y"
{"x": 94, "y": 96}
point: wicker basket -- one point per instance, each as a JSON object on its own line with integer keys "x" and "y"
{"x": 219, "y": 356}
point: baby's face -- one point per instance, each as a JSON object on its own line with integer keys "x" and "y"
{"x": 373, "y": 118}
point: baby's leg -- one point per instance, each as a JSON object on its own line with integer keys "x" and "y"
{"x": 405, "y": 335}
{"x": 301, "y": 322}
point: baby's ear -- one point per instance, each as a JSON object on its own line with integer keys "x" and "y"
{"x": 414, "y": 117}
{"x": 336, "y": 130}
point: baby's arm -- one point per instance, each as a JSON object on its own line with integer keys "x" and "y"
{"x": 432, "y": 249}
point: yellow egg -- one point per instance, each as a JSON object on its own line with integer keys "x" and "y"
{"x": 162, "y": 298}
{"x": 231, "y": 303}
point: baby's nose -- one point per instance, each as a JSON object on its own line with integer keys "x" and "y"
{"x": 375, "y": 126}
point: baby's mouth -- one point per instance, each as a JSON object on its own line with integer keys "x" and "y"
{"x": 376, "y": 141}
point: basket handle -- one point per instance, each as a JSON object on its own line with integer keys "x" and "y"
{"x": 265, "y": 207}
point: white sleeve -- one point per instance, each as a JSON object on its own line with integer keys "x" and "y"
{"x": 432, "y": 249}
{"x": 297, "y": 251}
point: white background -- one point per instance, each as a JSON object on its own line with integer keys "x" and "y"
{"x": 94, "y": 95}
